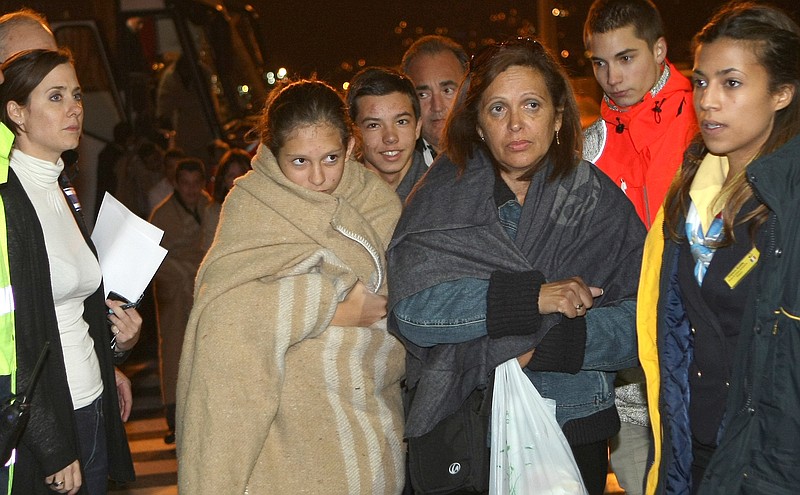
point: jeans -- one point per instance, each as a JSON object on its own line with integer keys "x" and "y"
{"x": 93, "y": 447}
{"x": 592, "y": 461}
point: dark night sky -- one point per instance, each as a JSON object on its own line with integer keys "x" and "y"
{"x": 314, "y": 36}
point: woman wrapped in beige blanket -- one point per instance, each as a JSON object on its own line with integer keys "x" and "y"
{"x": 289, "y": 381}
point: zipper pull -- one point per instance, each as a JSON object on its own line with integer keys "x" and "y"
{"x": 624, "y": 186}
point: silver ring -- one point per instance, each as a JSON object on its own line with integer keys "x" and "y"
{"x": 57, "y": 484}
{"x": 579, "y": 306}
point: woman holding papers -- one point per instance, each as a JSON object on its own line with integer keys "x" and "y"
{"x": 75, "y": 439}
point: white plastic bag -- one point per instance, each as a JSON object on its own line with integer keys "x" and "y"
{"x": 529, "y": 454}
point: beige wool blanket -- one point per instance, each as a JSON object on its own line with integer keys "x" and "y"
{"x": 272, "y": 398}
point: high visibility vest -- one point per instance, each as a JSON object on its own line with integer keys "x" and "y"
{"x": 8, "y": 354}
{"x": 8, "y": 361}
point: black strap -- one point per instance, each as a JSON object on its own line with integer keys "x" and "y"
{"x": 36, "y": 371}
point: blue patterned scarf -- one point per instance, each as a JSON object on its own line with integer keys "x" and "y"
{"x": 699, "y": 242}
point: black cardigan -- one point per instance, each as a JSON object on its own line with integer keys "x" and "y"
{"x": 49, "y": 442}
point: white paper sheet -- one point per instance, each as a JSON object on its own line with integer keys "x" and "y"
{"x": 128, "y": 249}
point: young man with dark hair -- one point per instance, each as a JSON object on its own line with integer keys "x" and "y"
{"x": 646, "y": 116}
{"x": 436, "y": 65}
{"x": 384, "y": 106}
{"x": 646, "y": 121}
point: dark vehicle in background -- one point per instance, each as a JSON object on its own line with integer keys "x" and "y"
{"x": 123, "y": 48}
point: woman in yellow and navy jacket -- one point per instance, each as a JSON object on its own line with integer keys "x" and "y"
{"x": 719, "y": 322}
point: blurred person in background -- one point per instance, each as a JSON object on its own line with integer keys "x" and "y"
{"x": 233, "y": 164}
{"x": 109, "y": 158}
{"x": 137, "y": 175}
{"x": 188, "y": 218}
{"x": 166, "y": 185}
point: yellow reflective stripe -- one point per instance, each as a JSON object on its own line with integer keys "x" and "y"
{"x": 7, "y": 354}
{"x": 6, "y": 140}
{"x": 8, "y": 362}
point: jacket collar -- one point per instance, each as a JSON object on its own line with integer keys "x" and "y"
{"x": 776, "y": 176}
{"x": 647, "y": 120}
{"x": 657, "y": 87}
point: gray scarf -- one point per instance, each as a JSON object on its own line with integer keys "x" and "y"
{"x": 578, "y": 225}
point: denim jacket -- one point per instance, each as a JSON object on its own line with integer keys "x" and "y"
{"x": 454, "y": 312}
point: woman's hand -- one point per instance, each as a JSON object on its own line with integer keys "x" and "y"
{"x": 570, "y": 297}
{"x": 361, "y": 308}
{"x": 525, "y": 358}
{"x": 68, "y": 480}
{"x": 126, "y": 325}
{"x": 124, "y": 394}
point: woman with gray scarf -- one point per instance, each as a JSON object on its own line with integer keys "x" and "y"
{"x": 512, "y": 246}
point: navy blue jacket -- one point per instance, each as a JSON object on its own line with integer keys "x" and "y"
{"x": 759, "y": 449}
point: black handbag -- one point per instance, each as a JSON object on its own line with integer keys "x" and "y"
{"x": 14, "y": 412}
{"x": 453, "y": 458}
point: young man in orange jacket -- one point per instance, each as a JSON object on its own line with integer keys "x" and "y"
{"x": 646, "y": 121}
{"x": 646, "y": 116}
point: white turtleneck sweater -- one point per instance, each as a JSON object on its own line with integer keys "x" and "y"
{"x": 74, "y": 272}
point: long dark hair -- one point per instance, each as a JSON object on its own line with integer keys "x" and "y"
{"x": 23, "y": 72}
{"x": 775, "y": 40}
{"x": 460, "y": 134}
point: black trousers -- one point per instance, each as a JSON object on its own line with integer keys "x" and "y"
{"x": 592, "y": 460}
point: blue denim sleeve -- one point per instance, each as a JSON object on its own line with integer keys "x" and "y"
{"x": 611, "y": 337}
{"x": 447, "y": 313}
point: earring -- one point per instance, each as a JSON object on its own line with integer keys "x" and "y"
{"x": 557, "y": 141}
